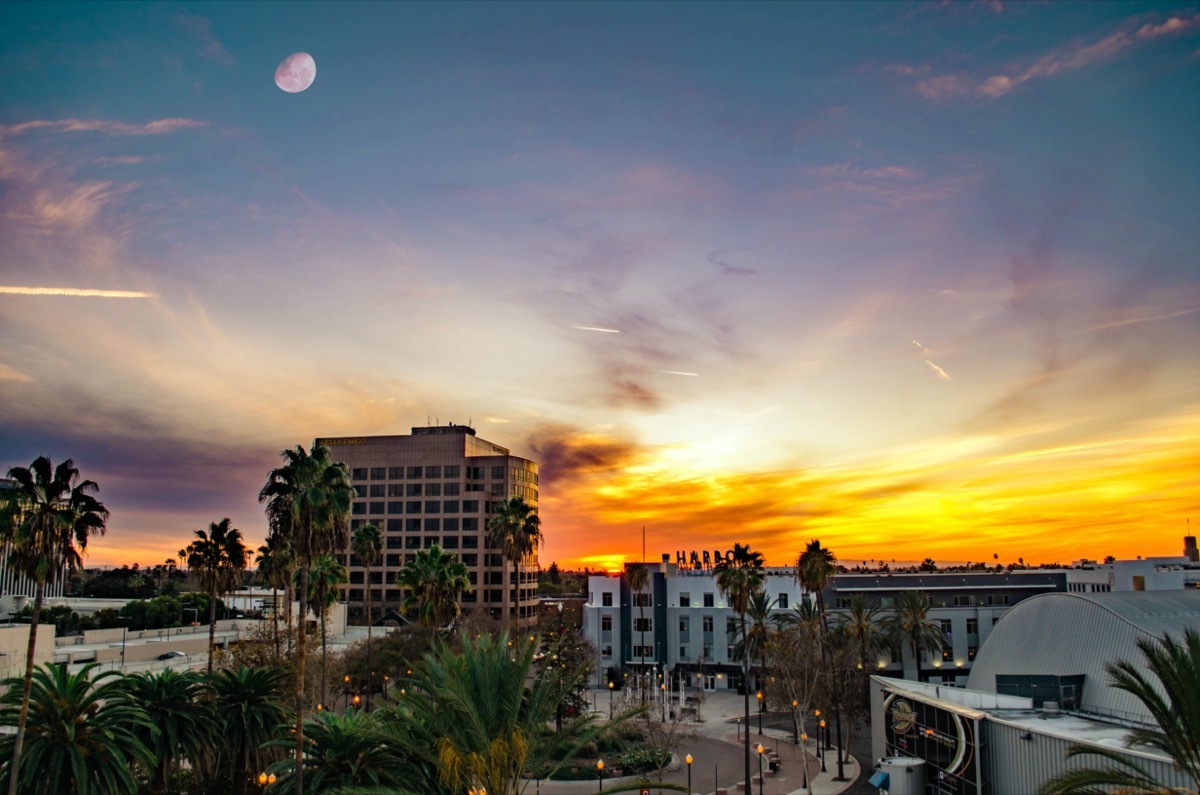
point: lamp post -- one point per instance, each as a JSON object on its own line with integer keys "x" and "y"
{"x": 688, "y": 759}
{"x": 124, "y": 621}
{"x": 760, "y": 710}
{"x": 195, "y": 614}
{"x": 820, "y": 751}
{"x": 610, "y": 700}
{"x": 266, "y": 778}
{"x": 663, "y": 688}
{"x": 600, "y": 775}
{"x": 795, "y": 723}
{"x": 760, "y": 775}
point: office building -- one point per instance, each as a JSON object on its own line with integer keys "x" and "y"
{"x": 439, "y": 485}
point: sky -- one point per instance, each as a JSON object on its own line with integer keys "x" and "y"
{"x": 912, "y": 279}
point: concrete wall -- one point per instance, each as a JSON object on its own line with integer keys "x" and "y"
{"x": 14, "y": 643}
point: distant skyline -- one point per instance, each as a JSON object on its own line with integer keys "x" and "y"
{"x": 914, "y": 279}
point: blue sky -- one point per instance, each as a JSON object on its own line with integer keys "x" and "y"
{"x": 925, "y": 272}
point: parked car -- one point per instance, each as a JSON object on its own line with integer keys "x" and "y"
{"x": 171, "y": 655}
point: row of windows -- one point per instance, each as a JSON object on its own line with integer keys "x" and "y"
{"x": 416, "y": 506}
{"x": 644, "y": 599}
{"x": 410, "y": 489}
{"x": 432, "y": 472}
{"x": 959, "y": 600}
{"x": 495, "y": 595}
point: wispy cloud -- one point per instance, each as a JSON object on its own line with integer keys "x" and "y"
{"x": 1073, "y": 56}
{"x": 74, "y": 292}
{"x": 597, "y": 328}
{"x": 155, "y": 127}
{"x": 208, "y": 46}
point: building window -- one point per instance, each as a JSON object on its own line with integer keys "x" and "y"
{"x": 433, "y": 472}
{"x": 642, "y": 599}
{"x": 497, "y": 473}
{"x": 606, "y": 623}
{"x": 412, "y": 525}
{"x": 395, "y": 473}
{"x": 433, "y": 506}
{"x": 843, "y": 603}
{"x": 470, "y": 506}
{"x": 451, "y": 489}
{"x": 782, "y": 601}
{"x": 414, "y": 472}
{"x": 378, "y": 490}
{"x": 359, "y": 473}
{"x": 683, "y": 652}
{"x": 450, "y": 525}
{"x": 997, "y": 599}
{"x": 708, "y": 600}
{"x": 359, "y": 508}
{"x": 413, "y": 490}
{"x": 643, "y": 625}
{"x": 606, "y": 599}
{"x": 470, "y": 560}
{"x": 971, "y": 651}
{"x": 972, "y": 626}
{"x": 685, "y": 600}
{"x": 433, "y": 489}
{"x": 469, "y": 542}
{"x": 450, "y": 506}
{"x": 730, "y": 627}
{"x": 706, "y": 623}
{"x": 395, "y": 506}
{"x": 433, "y": 525}
{"x": 377, "y": 508}
{"x": 451, "y": 472}
{"x": 683, "y": 623}
{"x": 643, "y": 651}
{"x": 378, "y": 473}
{"x": 964, "y": 600}
{"x": 470, "y": 524}
{"x": 412, "y": 542}
{"x": 947, "y": 627}
{"x": 947, "y": 655}
{"x": 450, "y": 542}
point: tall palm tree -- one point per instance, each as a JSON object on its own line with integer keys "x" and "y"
{"x": 432, "y": 582}
{"x": 761, "y": 623}
{"x": 275, "y": 567}
{"x": 517, "y": 530}
{"x": 251, "y": 708}
{"x": 367, "y": 545}
{"x": 46, "y": 519}
{"x": 910, "y": 624}
{"x": 327, "y": 574}
{"x": 739, "y": 577}
{"x": 1173, "y": 701}
{"x": 181, "y": 723}
{"x": 637, "y": 576}
{"x": 815, "y": 568}
{"x": 218, "y": 557}
{"x": 862, "y": 626}
{"x": 309, "y": 498}
{"x": 83, "y": 736}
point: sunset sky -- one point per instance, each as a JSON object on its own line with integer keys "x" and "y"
{"x": 913, "y": 279}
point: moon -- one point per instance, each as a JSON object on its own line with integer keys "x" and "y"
{"x": 296, "y": 72}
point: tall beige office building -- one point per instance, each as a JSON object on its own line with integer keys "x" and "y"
{"x": 439, "y": 485}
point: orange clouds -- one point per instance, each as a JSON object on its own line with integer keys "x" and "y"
{"x": 1124, "y": 495}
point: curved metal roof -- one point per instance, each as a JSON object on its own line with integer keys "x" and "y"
{"x": 1082, "y": 633}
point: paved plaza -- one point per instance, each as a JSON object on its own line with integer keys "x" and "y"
{"x": 715, "y": 743}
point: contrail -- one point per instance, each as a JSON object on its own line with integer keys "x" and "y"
{"x": 595, "y": 328}
{"x": 674, "y": 372}
{"x": 74, "y": 292}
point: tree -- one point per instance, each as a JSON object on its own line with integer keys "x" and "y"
{"x": 433, "y": 581}
{"x": 83, "y": 735}
{"x": 910, "y": 624}
{"x": 350, "y": 751}
{"x": 275, "y": 568}
{"x": 307, "y": 499}
{"x": 46, "y": 518}
{"x": 863, "y": 630}
{"x": 250, "y": 704}
{"x": 815, "y": 567}
{"x": 516, "y": 530}
{"x": 218, "y": 558}
{"x": 367, "y": 545}
{"x": 180, "y": 724}
{"x": 327, "y": 574}
{"x": 739, "y": 577}
{"x": 1171, "y": 694}
{"x": 637, "y": 576}
{"x": 477, "y": 718}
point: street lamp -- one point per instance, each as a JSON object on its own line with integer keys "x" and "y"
{"x": 600, "y": 775}
{"x": 760, "y": 775}
{"x": 760, "y": 706}
{"x": 610, "y": 700}
{"x": 266, "y": 778}
{"x": 804, "y": 758}
{"x": 688, "y": 759}
{"x": 663, "y": 688}
{"x": 795, "y": 723}
{"x": 820, "y": 751}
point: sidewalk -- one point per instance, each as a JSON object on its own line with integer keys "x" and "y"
{"x": 718, "y": 764}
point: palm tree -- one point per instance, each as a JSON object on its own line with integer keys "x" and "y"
{"x": 815, "y": 568}
{"x": 83, "y": 736}
{"x": 910, "y": 624}
{"x": 275, "y": 567}
{"x": 353, "y": 750}
{"x": 739, "y": 577}
{"x": 46, "y": 519}
{"x": 758, "y": 630}
{"x": 1173, "y": 701}
{"x": 433, "y": 581}
{"x": 516, "y": 529}
{"x": 638, "y": 577}
{"x": 309, "y": 499}
{"x": 251, "y": 707}
{"x": 478, "y": 718}
{"x": 218, "y": 557}
{"x": 367, "y": 544}
{"x": 327, "y": 574}
{"x": 181, "y": 724}
{"x": 861, "y": 626}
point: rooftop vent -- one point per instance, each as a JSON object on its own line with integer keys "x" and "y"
{"x": 1050, "y": 709}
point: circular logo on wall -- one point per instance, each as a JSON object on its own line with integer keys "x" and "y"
{"x": 902, "y": 716}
